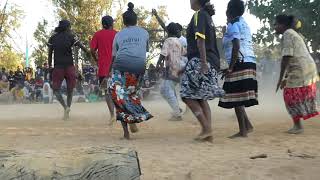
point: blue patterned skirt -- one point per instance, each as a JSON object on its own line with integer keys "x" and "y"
{"x": 198, "y": 86}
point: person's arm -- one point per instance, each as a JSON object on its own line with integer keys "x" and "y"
{"x": 50, "y": 52}
{"x": 200, "y": 35}
{"x": 235, "y": 53}
{"x": 160, "y": 61}
{"x": 284, "y": 63}
{"x": 162, "y": 24}
{"x": 94, "y": 47}
{"x": 94, "y": 54}
{"x": 114, "y": 53}
{"x": 287, "y": 53}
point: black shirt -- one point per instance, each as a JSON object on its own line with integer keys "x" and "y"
{"x": 19, "y": 76}
{"x": 201, "y": 26}
{"x": 12, "y": 81}
{"x": 62, "y": 43}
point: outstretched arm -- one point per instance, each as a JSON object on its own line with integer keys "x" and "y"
{"x": 162, "y": 24}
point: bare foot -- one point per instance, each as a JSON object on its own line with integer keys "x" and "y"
{"x": 126, "y": 136}
{"x": 133, "y": 128}
{"x": 203, "y": 136}
{"x": 295, "y": 131}
{"x": 66, "y": 115}
{"x": 250, "y": 130}
{"x": 238, "y": 135}
{"x": 112, "y": 120}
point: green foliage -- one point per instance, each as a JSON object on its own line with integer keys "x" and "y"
{"x": 150, "y": 23}
{"x": 85, "y": 16}
{"x": 9, "y": 58}
{"x": 10, "y": 20}
{"x": 308, "y": 11}
{"x": 41, "y": 35}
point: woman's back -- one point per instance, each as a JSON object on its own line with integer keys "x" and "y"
{"x": 130, "y": 47}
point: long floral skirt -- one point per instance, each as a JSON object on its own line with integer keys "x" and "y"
{"x": 124, "y": 87}
{"x": 301, "y": 102}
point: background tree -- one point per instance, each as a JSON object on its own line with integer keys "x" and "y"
{"x": 308, "y": 11}
{"x": 85, "y": 16}
{"x": 41, "y": 35}
{"x": 9, "y": 21}
{"x": 10, "y": 59}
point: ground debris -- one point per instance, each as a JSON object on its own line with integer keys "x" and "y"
{"x": 259, "y": 156}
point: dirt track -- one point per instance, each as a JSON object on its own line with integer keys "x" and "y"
{"x": 166, "y": 149}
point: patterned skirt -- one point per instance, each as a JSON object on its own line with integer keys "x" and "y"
{"x": 241, "y": 87}
{"x": 301, "y": 102}
{"x": 124, "y": 87}
{"x": 198, "y": 86}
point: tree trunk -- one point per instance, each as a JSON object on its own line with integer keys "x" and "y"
{"x": 101, "y": 163}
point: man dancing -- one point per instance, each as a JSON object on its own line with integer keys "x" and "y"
{"x": 60, "y": 44}
{"x": 102, "y": 42}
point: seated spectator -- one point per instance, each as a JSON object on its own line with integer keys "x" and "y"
{"x": 19, "y": 76}
{"x": 38, "y": 89}
{"x": 12, "y": 80}
{"x": 17, "y": 93}
{"x": 47, "y": 93}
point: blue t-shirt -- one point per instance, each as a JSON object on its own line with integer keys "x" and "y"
{"x": 239, "y": 29}
{"x": 130, "y": 47}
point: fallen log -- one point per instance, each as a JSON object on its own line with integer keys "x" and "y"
{"x": 103, "y": 163}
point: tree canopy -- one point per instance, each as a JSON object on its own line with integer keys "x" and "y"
{"x": 308, "y": 11}
{"x": 85, "y": 17}
{"x": 41, "y": 35}
{"x": 10, "y": 18}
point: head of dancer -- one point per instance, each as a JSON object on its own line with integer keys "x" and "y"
{"x": 107, "y": 22}
{"x": 173, "y": 30}
{"x": 64, "y": 26}
{"x": 130, "y": 18}
{"x": 203, "y": 4}
{"x": 284, "y": 22}
{"x": 180, "y": 29}
{"x": 235, "y": 9}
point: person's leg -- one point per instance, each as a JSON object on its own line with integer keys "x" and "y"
{"x": 126, "y": 134}
{"x": 207, "y": 111}
{"x": 168, "y": 93}
{"x": 104, "y": 85}
{"x": 297, "y": 127}
{"x": 57, "y": 78}
{"x": 241, "y": 121}
{"x": 110, "y": 105}
{"x": 247, "y": 122}
{"x": 59, "y": 97}
{"x": 197, "y": 110}
{"x": 71, "y": 80}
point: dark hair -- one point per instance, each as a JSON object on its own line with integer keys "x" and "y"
{"x": 180, "y": 28}
{"x": 64, "y": 25}
{"x": 173, "y": 29}
{"x": 203, "y": 2}
{"x": 235, "y": 8}
{"x": 130, "y": 18}
{"x": 107, "y": 21}
{"x": 288, "y": 21}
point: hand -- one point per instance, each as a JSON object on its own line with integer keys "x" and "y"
{"x": 224, "y": 29}
{"x": 225, "y": 73}
{"x": 281, "y": 85}
{"x": 204, "y": 67}
{"x": 154, "y": 12}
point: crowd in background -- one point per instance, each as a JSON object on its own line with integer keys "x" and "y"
{"x": 33, "y": 85}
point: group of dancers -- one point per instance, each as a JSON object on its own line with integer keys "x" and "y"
{"x": 192, "y": 63}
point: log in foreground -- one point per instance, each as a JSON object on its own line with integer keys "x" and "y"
{"x": 103, "y": 163}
